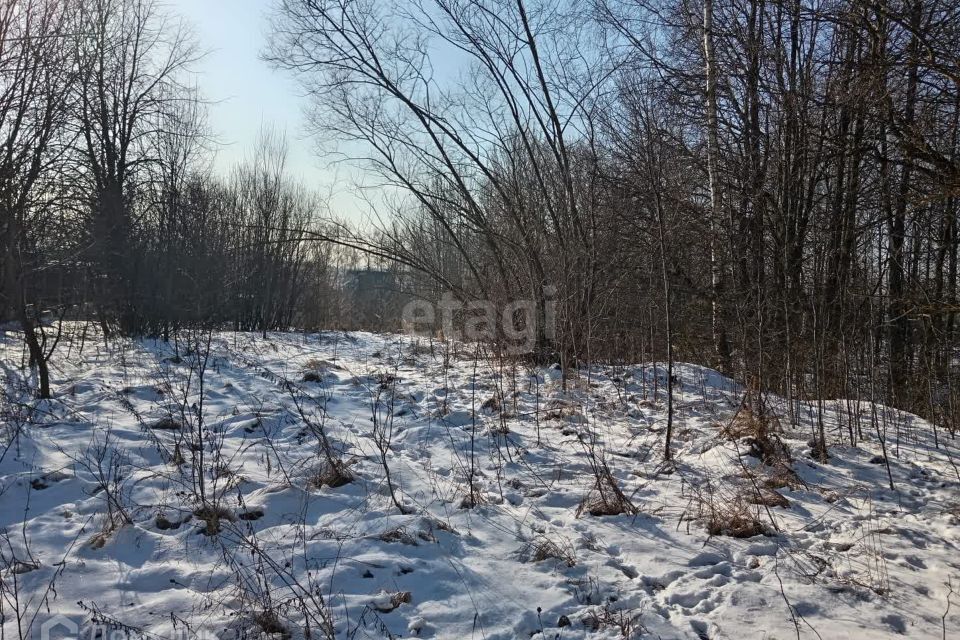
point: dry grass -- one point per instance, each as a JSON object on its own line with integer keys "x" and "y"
{"x": 420, "y": 349}
{"x": 729, "y": 513}
{"x": 168, "y": 423}
{"x": 472, "y": 499}
{"x": 626, "y": 622}
{"x": 743, "y": 425}
{"x": 164, "y": 523}
{"x": 543, "y": 548}
{"x": 394, "y": 601}
{"x": 606, "y": 499}
{"x": 316, "y": 370}
{"x": 212, "y": 516}
{"x": 737, "y": 520}
{"x": 767, "y": 497}
{"x": 491, "y": 405}
{"x": 268, "y": 622}
{"x": 780, "y": 477}
{"x": 331, "y": 475}
{"x": 400, "y": 535}
{"x": 560, "y": 409}
{"x": 760, "y": 432}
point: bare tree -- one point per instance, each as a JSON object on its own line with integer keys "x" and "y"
{"x": 495, "y": 162}
{"x": 132, "y": 58}
{"x": 35, "y": 84}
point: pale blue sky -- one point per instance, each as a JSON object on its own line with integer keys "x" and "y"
{"x": 245, "y": 93}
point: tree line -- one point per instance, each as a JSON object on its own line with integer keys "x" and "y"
{"x": 768, "y": 186}
{"x": 109, "y": 209}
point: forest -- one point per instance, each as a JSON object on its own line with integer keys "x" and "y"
{"x": 733, "y": 220}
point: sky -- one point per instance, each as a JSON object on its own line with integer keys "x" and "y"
{"x": 245, "y": 93}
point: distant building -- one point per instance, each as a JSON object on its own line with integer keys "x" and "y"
{"x": 375, "y": 298}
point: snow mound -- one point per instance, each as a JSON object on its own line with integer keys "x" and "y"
{"x": 262, "y": 504}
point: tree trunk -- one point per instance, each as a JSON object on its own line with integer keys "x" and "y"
{"x": 720, "y": 341}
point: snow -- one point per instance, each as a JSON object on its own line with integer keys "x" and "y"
{"x": 845, "y": 558}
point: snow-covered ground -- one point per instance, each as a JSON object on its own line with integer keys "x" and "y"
{"x": 166, "y": 504}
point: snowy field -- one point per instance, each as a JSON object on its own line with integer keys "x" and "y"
{"x": 172, "y": 491}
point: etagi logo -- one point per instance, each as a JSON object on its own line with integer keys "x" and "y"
{"x": 518, "y": 322}
{"x": 59, "y": 628}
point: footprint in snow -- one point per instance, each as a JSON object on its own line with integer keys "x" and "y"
{"x": 895, "y": 622}
{"x": 627, "y": 570}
